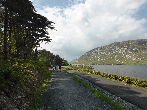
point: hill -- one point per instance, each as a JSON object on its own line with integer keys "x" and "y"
{"x": 132, "y": 52}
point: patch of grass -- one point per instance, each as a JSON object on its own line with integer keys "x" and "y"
{"x": 98, "y": 93}
{"x": 38, "y": 96}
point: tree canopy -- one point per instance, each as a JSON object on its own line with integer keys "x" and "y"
{"x": 21, "y": 29}
{"x": 51, "y": 59}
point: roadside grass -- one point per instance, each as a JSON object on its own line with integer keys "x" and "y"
{"x": 39, "y": 94}
{"x": 123, "y": 82}
{"x": 98, "y": 93}
{"x": 131, "y": 81}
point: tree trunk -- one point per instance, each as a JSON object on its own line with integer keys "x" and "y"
{"x": 25, "y": 50}
{"x": 10, "y": 34}
{"x": 15, "y": 40}
{"x": 5, "y": 33}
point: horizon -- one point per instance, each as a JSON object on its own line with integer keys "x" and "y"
{"x": 86, "y": 24}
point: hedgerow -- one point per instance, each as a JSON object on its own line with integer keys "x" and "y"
{"x": 124, "y": 79}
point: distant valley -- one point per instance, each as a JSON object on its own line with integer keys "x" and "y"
{"x": 132, "y": 52}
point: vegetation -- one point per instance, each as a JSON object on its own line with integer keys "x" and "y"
{"x": 135, "y": 82}
{"x": 133, "y": 52}
{"x": 24, "y": 71}
{"x": 51, "y": 59}
{"x": 21, "y": 80}
{"x": 35, "y": 104}
{"x": 98, "y": 93}
{"x": 22, "y": 29}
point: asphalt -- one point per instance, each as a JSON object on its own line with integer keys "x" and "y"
{"x": 64, "y": 93}
{"x": 133, "y": 95}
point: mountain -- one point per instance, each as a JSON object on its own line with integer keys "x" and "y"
{"x": 73, "y": 61}
{"x": 132, "y": 52}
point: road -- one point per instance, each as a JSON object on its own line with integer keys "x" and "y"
{"x": 133, "y": 95}
{"x": 64, "y": 93}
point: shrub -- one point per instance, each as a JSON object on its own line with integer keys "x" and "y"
{"x": 124, "y": 79}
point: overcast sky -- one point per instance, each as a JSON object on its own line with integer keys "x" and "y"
{"x": 86, "y": 24}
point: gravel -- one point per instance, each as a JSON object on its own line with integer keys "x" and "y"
{"x": 125, "y": 104}
{"x": 64, "y": 93}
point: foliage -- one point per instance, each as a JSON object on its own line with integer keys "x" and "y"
{"x": 22, "y": 67}
{"x": 51, "y": 59}
{"x": 124, "y": 79}
{"x": 21, "y": 29}
{"x": 14, "y": 73}
{"x": 38, "y": 95}
{"x": 98, "y": 93}
{"x": 68, "y": 68}
{"x": 28, "y": 76}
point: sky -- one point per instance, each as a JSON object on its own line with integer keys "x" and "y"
{"x": 86, "y": 24}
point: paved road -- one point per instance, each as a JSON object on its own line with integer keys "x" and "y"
{"x": 131, "y": 94}
{"x": 66, "y": 94}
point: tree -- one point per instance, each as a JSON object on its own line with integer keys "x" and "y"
{"x": 22, "y": 28}
{"x": 50, "y": 58}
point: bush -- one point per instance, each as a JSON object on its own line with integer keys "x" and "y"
{"x": 23, "y": 76}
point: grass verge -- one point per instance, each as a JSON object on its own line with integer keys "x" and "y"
{"x": 38, "y": 96}
{"x": 98, "y": 93}
{"x": 134, "y": 82}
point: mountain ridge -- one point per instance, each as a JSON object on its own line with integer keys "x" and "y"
{"x": 131, "y": 52}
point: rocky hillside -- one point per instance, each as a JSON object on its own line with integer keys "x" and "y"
{"x": 132, "y": 52}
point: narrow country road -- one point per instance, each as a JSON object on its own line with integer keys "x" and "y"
{"x": 131, "y": 94}
{"x": 64, "y": 93}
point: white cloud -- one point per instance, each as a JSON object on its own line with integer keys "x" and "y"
{"x": 31, "y": 0}
{"x": 94, "y": 23}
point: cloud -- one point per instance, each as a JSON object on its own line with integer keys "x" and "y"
{"x": 31, "y": 0}
{"x": 93, "y": 23}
